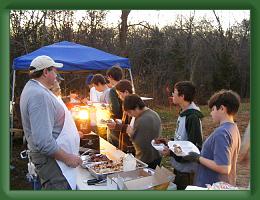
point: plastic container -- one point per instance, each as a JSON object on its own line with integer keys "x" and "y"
{"x": 129, "y": 162}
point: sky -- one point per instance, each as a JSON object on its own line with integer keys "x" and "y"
{"x": 168, "y": 17}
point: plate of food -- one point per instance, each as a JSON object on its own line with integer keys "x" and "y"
{"x": 182, "y": 148}
{"x": 158, "y": 144}
{"x": 94, "y": 159}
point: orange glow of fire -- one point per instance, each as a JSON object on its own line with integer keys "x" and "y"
{"x": 83, "y": 115}
{"x": 95, "y": 113}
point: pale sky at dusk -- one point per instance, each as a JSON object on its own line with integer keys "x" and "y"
{"x": 168, "y": 17}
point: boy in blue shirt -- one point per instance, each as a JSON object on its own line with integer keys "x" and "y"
{"x": 218, "y": 158}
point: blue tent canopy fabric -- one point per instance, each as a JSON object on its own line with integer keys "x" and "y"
{"x": 74, "y": 57}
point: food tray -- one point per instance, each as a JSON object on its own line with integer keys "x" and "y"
{"x": 93, "y": 172}
{"x": 93, "y": 159}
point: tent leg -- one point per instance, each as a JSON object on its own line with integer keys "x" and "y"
{"x": 12, "y": 120}
{"x": 12, "y": 100}
{"x": 131, "y": 77}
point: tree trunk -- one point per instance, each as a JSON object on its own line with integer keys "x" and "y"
{"x": 123, "y": 32}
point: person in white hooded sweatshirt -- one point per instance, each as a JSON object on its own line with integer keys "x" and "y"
{"x": 188, "y": 128}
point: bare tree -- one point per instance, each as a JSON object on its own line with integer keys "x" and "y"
{"x": 209, "y": 56}
{"x": 123, "y": 32}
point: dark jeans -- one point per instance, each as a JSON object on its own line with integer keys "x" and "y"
{"x": 182, "y": 180}
{"x": 36, "y": 183}
{"x": 154, "y": 163}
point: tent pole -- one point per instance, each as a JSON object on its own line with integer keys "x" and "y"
{"x": 13, "y": 86}
{"x": 12, "y": 104}
{"x": 131, "y": 77}
{"x": 12, "y": 117}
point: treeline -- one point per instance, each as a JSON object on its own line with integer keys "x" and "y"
{"x": 209, "y": 56}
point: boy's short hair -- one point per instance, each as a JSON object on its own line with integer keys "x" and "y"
{"x": 89, "y": 79}
{"x": 133, "y": 101}
{"x": 115, "y": 72}
{"x": 187, "y": 89}
{"x": 227, "y": 98}
{"x": 98, "y": 78}
{"x": 106, "y": 79}
{"x": 124, "y": 85}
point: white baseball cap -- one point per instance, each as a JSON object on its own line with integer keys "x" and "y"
{"x": 42, "y": 62}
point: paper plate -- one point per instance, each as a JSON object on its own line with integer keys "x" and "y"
{"x": 186, "y": 147}
{"x": 158, "y": 147}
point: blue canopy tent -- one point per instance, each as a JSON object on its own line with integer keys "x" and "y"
{"x": 75, "y": 57}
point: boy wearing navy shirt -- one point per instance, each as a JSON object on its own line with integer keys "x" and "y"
{"x": 218, "y": 158}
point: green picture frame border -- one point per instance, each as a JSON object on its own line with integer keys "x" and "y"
{"x": 6, "y": 63}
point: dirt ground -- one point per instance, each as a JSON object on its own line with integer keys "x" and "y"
{"x": 18, "y": 173}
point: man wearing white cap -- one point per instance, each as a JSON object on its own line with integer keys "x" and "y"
{"x": 50, "y": 131}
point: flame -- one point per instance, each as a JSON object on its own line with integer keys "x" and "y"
{"x": 83, "y": 115}
{"x": 94, "y": 113}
